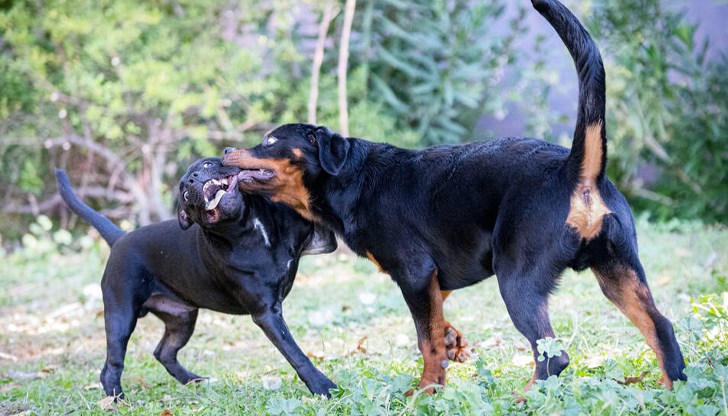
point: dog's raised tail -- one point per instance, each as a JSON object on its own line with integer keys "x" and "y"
{"x": 588, "y": 157}
{"x": 108, "y": 230}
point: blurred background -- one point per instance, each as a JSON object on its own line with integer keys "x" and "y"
{"x": 125, "y": 94}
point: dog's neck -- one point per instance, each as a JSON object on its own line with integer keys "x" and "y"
{"x": 336, "y": 199}
{"x": 232, "y": 230}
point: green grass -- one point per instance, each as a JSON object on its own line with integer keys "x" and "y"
{"x": 52, "y": 343}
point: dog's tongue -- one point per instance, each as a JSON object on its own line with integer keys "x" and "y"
{"x": 213, "y": 204}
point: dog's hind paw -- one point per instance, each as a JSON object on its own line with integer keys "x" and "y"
{"x": 456, "y": 345}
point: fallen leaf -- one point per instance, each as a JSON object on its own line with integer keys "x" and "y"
{"x": 360, "y": 344}
{"x": 49, "y": 368}
{"x": 107, "y": 403}
{"x": 632, "y": 380}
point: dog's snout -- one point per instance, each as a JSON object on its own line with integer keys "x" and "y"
{"x": 228, "y": 150}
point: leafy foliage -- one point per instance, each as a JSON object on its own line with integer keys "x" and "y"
{"x": 136, "y": 89}
{"x": 432, "y": 63}
{"x": 666, "y": 110}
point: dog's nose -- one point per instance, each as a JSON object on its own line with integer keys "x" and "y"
{"x": 228, "y": 150}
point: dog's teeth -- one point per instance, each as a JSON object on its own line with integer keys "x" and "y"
{"x": 224, "y": 181}
{"x": 213, "y": 204}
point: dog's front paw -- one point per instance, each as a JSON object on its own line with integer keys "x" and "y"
{"x": 323, "y": 387}
{"x": 456, "y": 345}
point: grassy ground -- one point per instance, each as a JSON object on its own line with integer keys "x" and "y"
{"x": 354, "y": 323}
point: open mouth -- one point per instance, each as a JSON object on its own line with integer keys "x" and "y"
{"x": 250, "y": 175}
{"x": 215, "y": 189}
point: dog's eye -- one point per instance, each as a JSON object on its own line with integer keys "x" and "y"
{"x": 269, "y": 141}
{"x": 206, "y": 165}
{"x": 186, "y": 196}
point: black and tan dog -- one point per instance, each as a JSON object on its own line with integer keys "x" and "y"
{"x": 447, "y": 217}
{"x": 238, "y": 255}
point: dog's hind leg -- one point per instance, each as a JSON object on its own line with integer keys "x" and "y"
{"x": 178, "y": 329}
{"x": 526, "y": 297}
{"x": 120, "y": 318}
{"x": 624, "y": 284}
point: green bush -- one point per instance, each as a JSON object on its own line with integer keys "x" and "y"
{"x": 666, "y": 110}
{"x": 433, "y": 63}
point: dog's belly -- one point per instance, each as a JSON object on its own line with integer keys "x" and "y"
{"x": 159, "y": 303}
{"x": 462, "y": 250}
{"x": 457, "y": 272}
{"x": 177, "y": 300}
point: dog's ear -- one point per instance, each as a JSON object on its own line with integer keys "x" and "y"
{"x": 184, "y": 220}
{"x": 333, "y": 149}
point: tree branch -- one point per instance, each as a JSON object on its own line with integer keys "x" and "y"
{"x": 318, "y": 59}
{"x": 35, "y": 208}
{"x": 343, "y": 64}
{"x": 91, "y": 146}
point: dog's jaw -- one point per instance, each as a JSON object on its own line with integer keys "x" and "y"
{"x": 280, "y": 179}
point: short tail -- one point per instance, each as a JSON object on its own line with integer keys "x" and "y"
{"x": 108, "y": 230}
{"x": 588, "y": 157}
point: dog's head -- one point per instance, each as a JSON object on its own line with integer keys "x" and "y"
{"x": 209, "y": 194}
{"x": 289, "y": 157}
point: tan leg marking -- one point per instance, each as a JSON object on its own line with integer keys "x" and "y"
{"x": 433, "y": 349}
{"x": 370, "y": 256}
{"x": 634, "y": 300}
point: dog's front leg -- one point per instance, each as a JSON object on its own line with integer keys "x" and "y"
{"x": 275, "y": 328}
{"x": 424, "y": 299}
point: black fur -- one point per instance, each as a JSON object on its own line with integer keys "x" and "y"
{"x": 240, "y": 259}
{"x": 447, "y": 217}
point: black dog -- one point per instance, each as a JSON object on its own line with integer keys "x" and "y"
{"x": 240, "y": 257}
{"x": 447, "y": 217}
